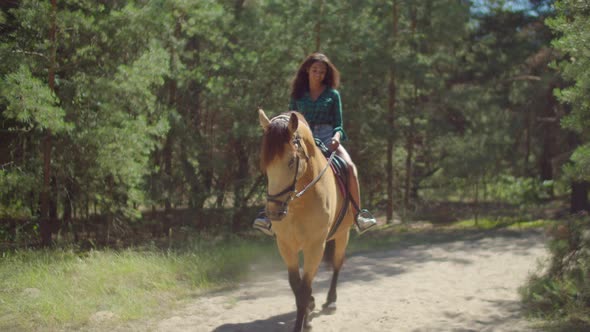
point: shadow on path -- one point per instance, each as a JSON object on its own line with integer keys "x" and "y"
{"x": 279, "y": 323}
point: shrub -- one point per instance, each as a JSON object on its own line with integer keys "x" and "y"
{"x": 562, "y": 291}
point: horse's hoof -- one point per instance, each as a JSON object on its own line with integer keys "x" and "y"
{"x": 311, "y": 305}
{"x": 329, "y": 307}
{"x": 307, "y": 324}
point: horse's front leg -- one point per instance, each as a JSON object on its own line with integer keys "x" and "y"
{"x": 305, "y": 301}
{"x": 295, "y": 282}
{"x": 302, "y": 291}
{"x": 291, "y": 260}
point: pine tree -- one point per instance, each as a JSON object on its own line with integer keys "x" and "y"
{"x": 572, "y": 23}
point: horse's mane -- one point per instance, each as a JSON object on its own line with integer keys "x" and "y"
{"x": 277, "y": 135}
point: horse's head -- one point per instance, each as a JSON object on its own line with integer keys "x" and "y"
{"x": 284, "y": 156}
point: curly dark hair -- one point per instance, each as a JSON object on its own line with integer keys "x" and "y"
{"x": 301, "y": 81}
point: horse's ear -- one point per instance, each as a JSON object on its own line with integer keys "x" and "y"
{"x": 264, "y": 121}
{"x": 293, "y": 123}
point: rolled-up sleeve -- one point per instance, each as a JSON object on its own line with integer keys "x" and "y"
{"x": 338, "y": 121}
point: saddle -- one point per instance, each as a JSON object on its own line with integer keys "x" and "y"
{"x": 338, "y": 165}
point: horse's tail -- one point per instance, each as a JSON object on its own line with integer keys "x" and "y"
{"x": 329, "y": 252}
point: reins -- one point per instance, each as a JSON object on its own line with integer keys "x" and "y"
{"x": 291, "y": 189}
{"x": 317, "y": 178}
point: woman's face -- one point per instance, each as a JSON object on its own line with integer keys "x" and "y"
{"x": 317, "y": 72}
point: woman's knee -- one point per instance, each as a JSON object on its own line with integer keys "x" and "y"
{"x": 341, "y": 152}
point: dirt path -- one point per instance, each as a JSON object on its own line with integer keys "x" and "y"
{"x": 465, "y": 282}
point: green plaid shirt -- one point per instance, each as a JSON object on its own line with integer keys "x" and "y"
{"x": 327, "y": 109}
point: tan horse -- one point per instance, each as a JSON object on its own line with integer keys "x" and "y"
{"x": 303, "y": 203}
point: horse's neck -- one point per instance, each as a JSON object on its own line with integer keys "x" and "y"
{"x": 315, "y": 166}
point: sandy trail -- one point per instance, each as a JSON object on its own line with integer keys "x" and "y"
{"x": 458, "y": 282}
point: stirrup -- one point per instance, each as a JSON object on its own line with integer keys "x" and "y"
{"x": 364, "y": 221}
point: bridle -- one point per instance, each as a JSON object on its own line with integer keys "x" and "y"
{"x": 290, "y": 190}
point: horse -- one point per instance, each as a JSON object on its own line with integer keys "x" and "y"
{"x": 303, "y": 203}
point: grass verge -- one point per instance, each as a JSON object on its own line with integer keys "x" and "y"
{"x": 495, "y": 223}
{"x": 63, "y": 288}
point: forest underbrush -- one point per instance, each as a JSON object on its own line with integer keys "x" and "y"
{"x": 560, "y": 292}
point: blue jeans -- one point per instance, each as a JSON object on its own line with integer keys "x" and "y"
{"x": 323, "y": 132}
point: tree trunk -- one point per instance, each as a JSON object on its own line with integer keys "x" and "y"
{"x": 545, "y": 164}
{"x": 476, "y": 202}
{"x": 551, "y": 137}
{"x": 409, "y": 163}
{"x": 197, "y": 119}
{"x": 579, "y": 197}
{"x": 411, "y": 129}
{"x": 68, "y": 212}
{"x": 527, "y": 147}
{"x": 391, "y": 119}
{"x": 54, "y": 222}
{"x": 172, "y": 103}
{"x": 167, "y": 154}
{"x": 45, "y": 224}
{"x": 318, "y": 27}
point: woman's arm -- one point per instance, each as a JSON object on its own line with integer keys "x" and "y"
{"x": 337, "y": 111}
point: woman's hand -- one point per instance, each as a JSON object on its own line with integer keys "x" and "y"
{"x": 335, "y": 143}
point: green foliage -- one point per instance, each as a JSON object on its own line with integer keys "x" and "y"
{"x": 503, "y": 188}
{"x": 154, "y": 102}
{"x": 562, "y": 290}
{"x": 519, "y": 190}
{"x": 14, "y": 185}
{"x": 577, "y": 170}
{"x": 572, "y": 24}
{"x": 31, "y": 102}
{"x": 129, "y": 124}
{"x": 104, "y": 115}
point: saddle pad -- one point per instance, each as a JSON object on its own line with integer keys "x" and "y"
{"x": 340, "y": 169}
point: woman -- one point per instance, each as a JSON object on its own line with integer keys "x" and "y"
{"x": 314, "y": 95}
